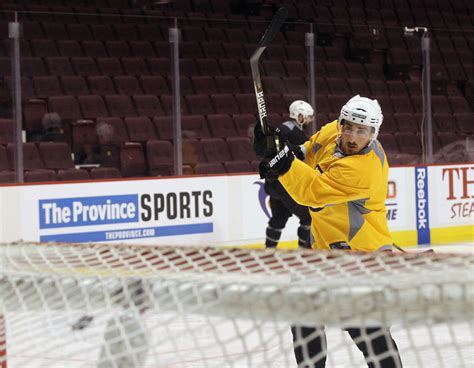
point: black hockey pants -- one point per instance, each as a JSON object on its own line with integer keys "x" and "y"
{"x": 377, "y": 345}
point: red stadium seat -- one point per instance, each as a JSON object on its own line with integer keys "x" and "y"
{"x": 194, "y": 126}
{"x": 73, "y": 174}
{"x": 210, "y": 168}
{"x": 94, "y": 49}
{"x": 237, "y": 166}
{"x": 215, "y": 150}
{"x": 56, "y": 155}
{"x": 160, "y": 157}
{"x": 221, "y": 126}
{"x": 74, "y": 85}
{"x": 120, "y": 105}
{"x": 105, "y": 173}
{"x": 154, "y": 85}
{"x": 241, "y": 148}
{"x": 140, "y": 129}
{"x": 132, "y": 160}
{"x": 92, "y": 106}
{"x": 127, "y": 85}
{"x": 47, "y": 86}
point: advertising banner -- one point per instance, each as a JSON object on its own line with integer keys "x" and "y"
{"x": 451, "y": 202}
{"x": 452, "y": 195}
{"x": 166, "y": 211}
{"x": 425, "y": 204}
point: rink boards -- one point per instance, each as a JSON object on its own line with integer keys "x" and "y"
{"x": 425, "y": 204}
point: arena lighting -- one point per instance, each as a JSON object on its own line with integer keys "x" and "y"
{"x": 426, "y": 124}
{"x": 410, "y": 31}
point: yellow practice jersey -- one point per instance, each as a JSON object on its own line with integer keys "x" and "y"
{"x": 346, "y": 194}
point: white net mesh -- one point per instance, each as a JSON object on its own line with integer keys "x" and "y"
{"x": 137, "y": 306}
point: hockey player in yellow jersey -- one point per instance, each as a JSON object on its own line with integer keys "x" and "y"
{"x": 344, "y": 180}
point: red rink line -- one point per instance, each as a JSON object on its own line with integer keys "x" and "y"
{"x": 3, "y": 340}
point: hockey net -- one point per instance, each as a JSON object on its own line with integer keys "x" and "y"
{"x": 141, "y": 306}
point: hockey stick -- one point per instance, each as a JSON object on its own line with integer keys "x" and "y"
{"x": 270, "y": 33}
{"x": 404, "y": 251}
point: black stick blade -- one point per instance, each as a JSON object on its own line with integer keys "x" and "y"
{"x": 275, "y": 25}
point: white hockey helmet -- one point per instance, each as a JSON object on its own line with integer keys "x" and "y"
{"x": 363, "y": 111}
{"x": 301, "y": 107}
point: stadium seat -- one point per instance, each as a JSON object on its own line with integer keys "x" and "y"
{"x": 92, "y": 106}
{"x": 126, "y": 32}
{"x": 247, "y": 102}
{"x": 85, "y": 66}
{"x": 94, "y": 49}
{"x": 245, "y": 124}
{"x": 101, "y": 85}
{"x": 208, "y": 66}
{"x": 444, "y": 122}
{"x": 149, "y": 32}
{"x": 237, "y": 166}
{"x": 40, "y": 175}
{"x": 148, "y": 105}
{"x": 105, "y": 173}
{"x": 74, "y": 85}
{"x": 241, "y": 149}
{"x": 7, "y": 177}
{"x": 199, "y": 104}
{"x": 225, "y": 103}
{"x": 459, "y": 104}
{"x": 140, "y": 129}
{"x": 164, "y": 127}
{"x": 401, "y": 104}
{"x": 221, "y": 126}
{"x": 56, "y": 155}
{"x": 227, "y": 84}
{"x": 120, "y": 105}
{"x": 406, "y": 122}
{"x": 67, "y": 107}
{"x": 111, "y": 131}
{"x": 132, "y": 160}
{"x": 5, "y": 163}
{"x": 44, "y": 48}
{"x": 135, "y": 66}
{"x": 73, "y": 174}
{"x": 408, "y": 143}
{"x": 109, "y": 66}
{"x": 102, "y": 32}
{"x": 59, "y": 66}
{"x": 338, "y": 86}
{"x": 194, "y": 126}
{"x": 127, "y": 85}
{"x": 6, "y": 131}
{"x": 33, "y": 114}
{"x": 47, "y": 86}
{"x": 32, "y": 66}
{"x": 154, "y": 85}
{"x": 204, "y": 84}
{"x": 31, "y": 158}
{"x": 160, "y": 157}
{"x": 69, "y": 48}
{"x": 215, "y": 150}
{"x": 274, "y": 85}
{"x": 142, "y": 49}
{"x": 213, "y": 50}
{"x": 192, "y": 152}
{"x": 465, "y": 122}
{"x": 210, "y": 168}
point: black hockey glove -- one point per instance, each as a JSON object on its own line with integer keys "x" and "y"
{"x": 277, "y": 166}
{"x": 296, "y": 149}
{"x": 266, "y": 145}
